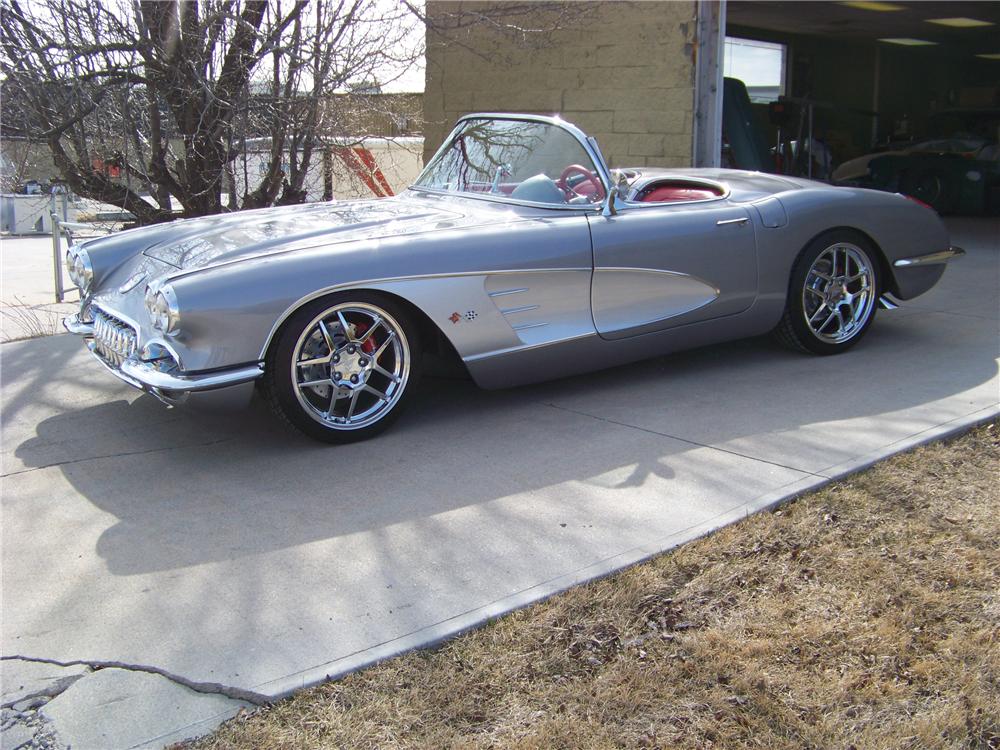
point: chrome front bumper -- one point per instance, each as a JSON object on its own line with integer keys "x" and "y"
{"x": 931, "y": 259}
{"x": 171, "y": 387}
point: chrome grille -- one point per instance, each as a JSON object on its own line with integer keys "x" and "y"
{"x": 114, "y": 339}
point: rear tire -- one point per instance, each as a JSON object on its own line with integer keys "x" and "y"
{"x": 933, "y": 187}
{"x": 344, "y": 366}
{"x": 832, "y": 294}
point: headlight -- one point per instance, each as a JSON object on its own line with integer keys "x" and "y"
{"x": 81, "y": 272}
{"x": 161, "y": 304}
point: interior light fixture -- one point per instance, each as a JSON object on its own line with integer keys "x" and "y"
{"x": 872, "y": 5}
{"x": 907, "y": 42}
{"x": 960, "y": 22}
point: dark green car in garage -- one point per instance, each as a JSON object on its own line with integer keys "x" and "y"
{"x": 956, "y": 174}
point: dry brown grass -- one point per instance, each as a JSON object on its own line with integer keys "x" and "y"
{"x": 864, "y": 615}
{"x": 21, "y": 321}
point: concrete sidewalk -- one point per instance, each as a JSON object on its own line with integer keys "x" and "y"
{"x": 185, "y": 565}
{"x": 28, "y": 306}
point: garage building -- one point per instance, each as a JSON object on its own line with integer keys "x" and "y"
{"x": 826, "y": 82}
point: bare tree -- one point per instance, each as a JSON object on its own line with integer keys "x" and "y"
{"x": 151, "y": 96}
{"x": 511, "y": 26}
{"x": 146, "y": 104}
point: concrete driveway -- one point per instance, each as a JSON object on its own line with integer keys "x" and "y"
{"x": 204, "y": 563}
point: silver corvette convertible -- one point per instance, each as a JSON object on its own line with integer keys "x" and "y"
{"x": 519, "y": 250}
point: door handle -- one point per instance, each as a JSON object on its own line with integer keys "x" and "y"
{"x": 743, "y": 220}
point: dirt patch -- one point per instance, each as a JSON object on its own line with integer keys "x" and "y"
{"x": 865, "y": 615}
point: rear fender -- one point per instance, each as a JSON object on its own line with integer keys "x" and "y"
{"x": 896, "y": 226}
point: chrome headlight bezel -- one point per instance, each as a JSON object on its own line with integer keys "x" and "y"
{"x": 79, "y": 268}
{"x": 161, "y": 306}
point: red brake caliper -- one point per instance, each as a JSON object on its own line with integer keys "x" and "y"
{"x": 369, "y": 346}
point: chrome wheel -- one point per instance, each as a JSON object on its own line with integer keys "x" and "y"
{"x": 350, "y": 366}
{"x": 839, "y": 294}
{"x": 832, "y": 293}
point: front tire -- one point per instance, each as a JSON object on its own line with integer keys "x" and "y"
{"x": 832, "y": 294}
{"x": 344, "y": 366}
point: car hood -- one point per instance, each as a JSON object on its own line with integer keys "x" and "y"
{"x": 198, "y": 243}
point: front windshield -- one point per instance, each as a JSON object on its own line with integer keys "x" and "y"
{"x": 519, "y": 159}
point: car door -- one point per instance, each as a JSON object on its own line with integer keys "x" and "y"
{"x": 667, "y": 265}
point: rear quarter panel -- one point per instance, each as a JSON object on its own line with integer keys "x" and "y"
{"x": 897, "y": 226}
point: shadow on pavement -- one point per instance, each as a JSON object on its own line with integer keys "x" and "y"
{"x": 190, "y": 488}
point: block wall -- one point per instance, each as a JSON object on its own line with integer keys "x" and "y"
{"x": 624, "y": 72}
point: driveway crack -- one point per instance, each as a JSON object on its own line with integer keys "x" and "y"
{"x": 57, "y": 687}
{"x": 123, "y": 454}
{"x": 209, "y": 688}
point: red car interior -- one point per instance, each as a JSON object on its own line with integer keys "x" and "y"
{"x": 658, "y": 192}
{"x": 663, "y": 192}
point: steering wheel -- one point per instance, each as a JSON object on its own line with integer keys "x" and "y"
{"x": 590, "y": 177}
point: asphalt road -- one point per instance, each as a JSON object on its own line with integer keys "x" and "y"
{"x": 224, "y": 554}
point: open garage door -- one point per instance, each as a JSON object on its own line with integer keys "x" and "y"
{"x": 901, "y": 96}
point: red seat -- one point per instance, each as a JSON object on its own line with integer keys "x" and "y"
{"x": 665, "y": 193}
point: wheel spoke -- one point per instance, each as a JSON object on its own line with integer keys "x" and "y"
{"x": 327, "y": 337}
{"x": 378, "y": 352}
{"x": 826, "y": 322}
{"x": 821, "y": 275}
{"x": 377, "y": 393}
{"x": 858, "y": 303}
{"x": 815, "y": 291}
{"x": 353, "y": 404}
{"x": 367, "y": 334}
{"x": 344, "y": 326}
{"x": 319, "y": 381}
{"x": 318, "y": 361}
{"x": 841, "y": 323}
{"x": 815, "y": 315}
{"x": 334, "y": 395}
{"x": 861, "y": 281}
{"x": 382, "y": 371}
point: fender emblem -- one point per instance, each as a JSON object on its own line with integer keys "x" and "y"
{"x": 454, "y": 317}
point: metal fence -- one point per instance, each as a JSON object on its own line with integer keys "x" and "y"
{"x": 61, "y": 227}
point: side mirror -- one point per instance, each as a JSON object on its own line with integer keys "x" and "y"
{"x": 609, "y": 208}
{"x": 618, "y": 190}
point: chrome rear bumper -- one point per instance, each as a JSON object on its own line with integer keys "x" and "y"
{"x": 931, "y": 258}
{"x": 171, "y": 387}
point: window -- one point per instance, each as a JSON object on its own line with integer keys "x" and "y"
{"x": 760, "y": 65}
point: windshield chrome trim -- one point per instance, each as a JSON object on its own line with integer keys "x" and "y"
{"x": 506, "y": 199}
{"x": 589, "y": 147}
